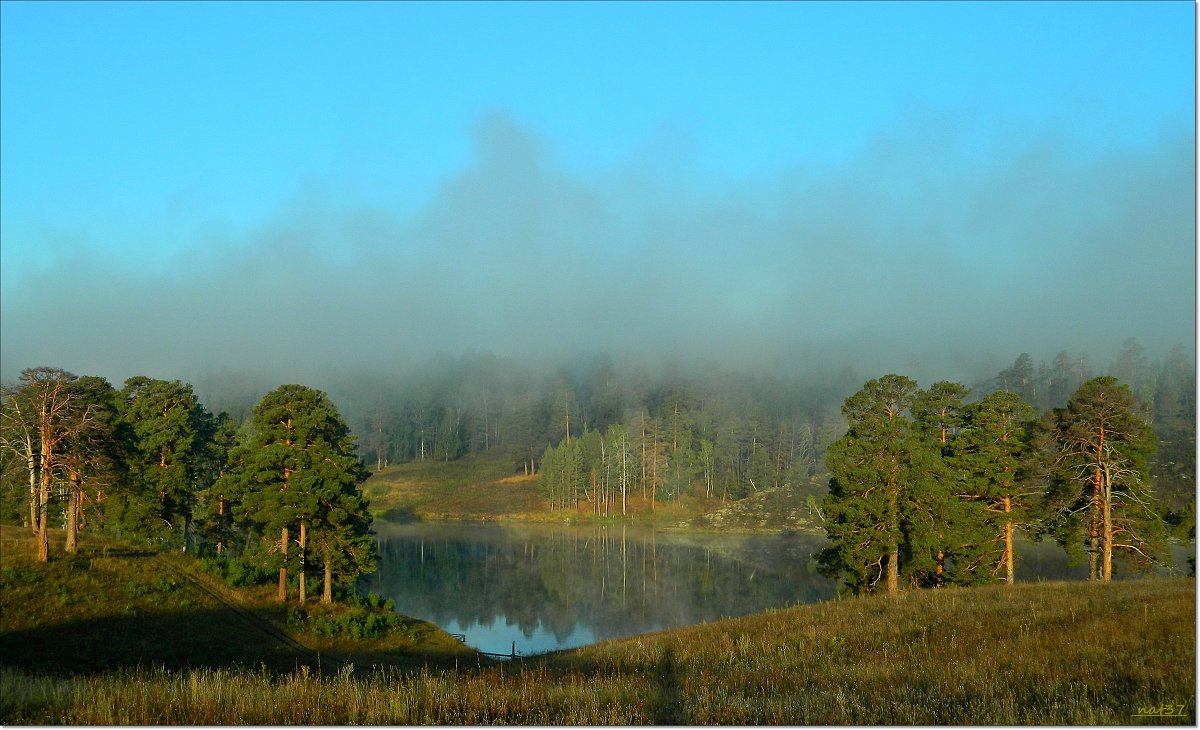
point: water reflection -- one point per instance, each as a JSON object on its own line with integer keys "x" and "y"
{"x": 557, "y": 587}
{"x": 539, "y": 588}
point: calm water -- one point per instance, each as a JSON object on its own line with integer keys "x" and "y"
{"x": 544, "y": 588}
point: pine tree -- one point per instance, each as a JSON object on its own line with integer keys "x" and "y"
{"x": 883, "y": 492}
{"x": 996, "y": 457}
{"x": 938, "y": 414}
{"x": 95, "y": 458}
{"x": 1101, "y": 487}
{"x": 298, "y": 476}
{"x": 165, "y": 421}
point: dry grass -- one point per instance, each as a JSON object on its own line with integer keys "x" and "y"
{"x": 484, "y": 487}
{"x": 477, "y": 486}
{"x": 1061, "y": 653}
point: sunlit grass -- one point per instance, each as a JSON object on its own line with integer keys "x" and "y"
{"x": 486, "y": 487}
{"x": 477, "y": 485}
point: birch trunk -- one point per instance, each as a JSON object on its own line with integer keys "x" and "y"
{"x": 31, "y": 462}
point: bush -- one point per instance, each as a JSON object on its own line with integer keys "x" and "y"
{"x": 361, "y": 617}
{"x": 236, "y": 572}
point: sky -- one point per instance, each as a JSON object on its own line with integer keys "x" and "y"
{"x": 285, "y": 187}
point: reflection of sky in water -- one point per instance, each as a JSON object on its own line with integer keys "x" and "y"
{"x": 497, "y": 637}
{"x": 551, "y": 588}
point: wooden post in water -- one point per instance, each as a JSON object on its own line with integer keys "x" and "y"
{"x": 514, "y": 650}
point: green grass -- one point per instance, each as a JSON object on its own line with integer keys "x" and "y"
{"x": 1049, "y": 653}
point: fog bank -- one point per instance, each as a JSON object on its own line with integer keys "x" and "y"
{"x": 915, "y": 257}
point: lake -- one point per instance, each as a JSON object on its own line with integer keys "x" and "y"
{"x": 539, "y": 588}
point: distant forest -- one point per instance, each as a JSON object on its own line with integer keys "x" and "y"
{"x": 729, "y": 434}
{"x": 663, "y": 434}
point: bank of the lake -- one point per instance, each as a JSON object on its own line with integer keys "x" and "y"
{"x": 1060, "y": 653}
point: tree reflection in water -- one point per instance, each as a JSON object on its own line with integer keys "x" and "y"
{"x": 560, "y": 587}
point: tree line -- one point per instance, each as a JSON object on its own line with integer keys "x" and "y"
{"x": 597, "y": 436}
{"x": 734, "y": 435}
{"x": 927, "y": 489}
{"x": 478, "y": 402}
{"x": 149, "y": 462}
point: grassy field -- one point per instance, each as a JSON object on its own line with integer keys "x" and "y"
{"x": 114, "y": 605}
{"x": 477, "y": 486}
{"x": 484, "y": 487}
{"x": 116, "y": 636}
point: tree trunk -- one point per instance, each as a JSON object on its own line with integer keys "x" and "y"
{"x": 43, "y": 533}
{"x": 303, "y": 543}
{"x": 1094, "y": 528}
{"x": 283, "y": 546}
{"x": 893, "y": 568}
{"x": 34, "y": 478}
{"x": 72, "y": 545}
{"x": 43, "y": 536}
{"x": 1108, "y": 538}
{"x": 1097, "y": 487}
{"x": 643, "y": 462}
{"x": 1008, "y": 543}
{"x": 624, "y": 474}
{"x": 327, "y": 595}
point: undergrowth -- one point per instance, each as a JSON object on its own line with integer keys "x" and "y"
{"x": 354, "y": 617}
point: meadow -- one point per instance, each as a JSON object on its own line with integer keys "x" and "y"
{"x": 484, "y": 487}
{"x": 477, "y": 486}
{"x": 1040, "y": 653}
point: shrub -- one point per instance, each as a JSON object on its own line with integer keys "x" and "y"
{"x": 236, "y": 572}
{"x": 361, "y": 617}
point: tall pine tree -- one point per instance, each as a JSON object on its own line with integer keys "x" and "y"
{"x": 298, "y": 478}
{"x": 996, "y": 459}
{"x": 882, "y": 492}
{"x": 1101, "y": 487}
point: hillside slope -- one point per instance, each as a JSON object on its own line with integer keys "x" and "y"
{"x": 115, "y": 605}
{"x": 1043, "y": 653}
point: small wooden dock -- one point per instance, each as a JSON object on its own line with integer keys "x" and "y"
{"x": 511, "y": 655}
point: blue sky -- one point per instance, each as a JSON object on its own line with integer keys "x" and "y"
{"x": 137, "y": 135}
